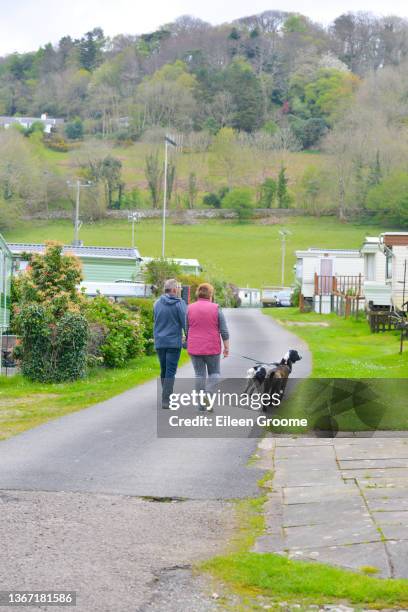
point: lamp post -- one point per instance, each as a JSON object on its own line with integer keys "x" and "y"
{"x": 284, "y": 233}
{"x": 167, "y": 141}
{"x": 77, "y": 222}
{"x": 133, "y": 217}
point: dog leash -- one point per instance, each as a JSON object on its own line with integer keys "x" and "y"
{"x": 254, "y": 360}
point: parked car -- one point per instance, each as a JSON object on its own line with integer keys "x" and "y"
{"x": 284, "y": 298}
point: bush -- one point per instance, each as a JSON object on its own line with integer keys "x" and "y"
{"x": 96, "y": 339}
{"x": 47, "y": 315}
{"x": 124, "y": 336}
{"x": 212, "y": 199}
{"x": 144, "y": 307}
{"x": 57, "y": 143}
{"x": 132, "y": 199}
{"x": 268, "y": 192}
{"x": 240, "y": 200}
{"x": 74, "y": 130}
{"x": 52, "y": 351}
{"x": 158, "y": 271}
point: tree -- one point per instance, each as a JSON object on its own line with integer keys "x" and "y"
{"x": 310, "y": 189}
{"x": 107, "y": 170}
{"x": 167, "y": 97}
{"x": 308, "y": 131}
{"x": 90, "y": 49}
{"x": 268, "y": 192}
{"x": 239, "y": 200}
{"x": 160, "y": 270}
{"x": 192, "y": 189}
{"x": 171, "y": 176}
{"x": 74, "y": 130}
{"x": 282, "y": 193}
{"x": 154, "y": 177}
{"x": 244, "y": 86}
{"x": 329, "y": 92}
{"x": 224, "y": 160}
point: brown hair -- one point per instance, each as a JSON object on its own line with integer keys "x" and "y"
{"x": 205, "y": 290}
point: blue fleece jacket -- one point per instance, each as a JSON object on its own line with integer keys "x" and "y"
{"x": 169, "y": 321}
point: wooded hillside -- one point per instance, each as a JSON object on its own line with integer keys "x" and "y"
{"x": 262, "y": 87}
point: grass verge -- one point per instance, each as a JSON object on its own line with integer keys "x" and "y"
{"x": 279, "y": 578}
{"x": 260, "y": 579}
{"x": 24, "y": 404}
{"x": 343, "y": 350}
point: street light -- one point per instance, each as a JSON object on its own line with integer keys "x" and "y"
{"x": 133, "y": 217}
{"x": 167, "y": 141}
{"x": 284, "y": 233}
{"x": 77, "y": 222}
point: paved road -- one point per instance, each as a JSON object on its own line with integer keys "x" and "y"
{"x": 113, "y": 447}
{"x": 75, "y": 512}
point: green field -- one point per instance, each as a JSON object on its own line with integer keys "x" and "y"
{"x": 245, "y": 254}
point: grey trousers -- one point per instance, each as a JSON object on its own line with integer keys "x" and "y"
{"x": 206, "y": 365}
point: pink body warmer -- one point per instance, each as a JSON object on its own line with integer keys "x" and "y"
{"x": 203, "y": 328}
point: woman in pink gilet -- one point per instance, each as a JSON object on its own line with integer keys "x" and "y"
{"x": 206, "y": 327}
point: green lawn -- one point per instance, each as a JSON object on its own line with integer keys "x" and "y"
{"x": 346, "y": 349}
{"x": 246, "y": 254}
{"x": 24, "y": 404}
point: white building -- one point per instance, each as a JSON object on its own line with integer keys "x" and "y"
{"x": 50, "y": 123}
{"x": 326, "y": 263}
{"x": 377, "y": 291}
{"x": 250, "y": 297}
{"x": 323, "y": 273}
{"x": 386, "y": 262}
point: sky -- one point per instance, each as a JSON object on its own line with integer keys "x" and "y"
{"x": 27, "y": 24}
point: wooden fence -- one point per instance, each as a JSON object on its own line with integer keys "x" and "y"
{"x": 346, "y": 293}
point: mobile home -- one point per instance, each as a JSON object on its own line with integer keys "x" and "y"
{"x": 99, "y": 264}
{"x": 318, "y": 271}
{"x": 5, "y": 288}
{"x": 377, "y": 291}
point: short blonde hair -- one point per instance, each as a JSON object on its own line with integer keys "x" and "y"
{"x": 205, "y": 291}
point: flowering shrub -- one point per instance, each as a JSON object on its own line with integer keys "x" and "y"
{"x": 124, "y": 331}
{"x": 143, "y": 306}
{"x": 52, "y": 350}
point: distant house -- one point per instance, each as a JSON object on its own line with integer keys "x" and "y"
{"x": 323, "y": 272}
{"x": 99, "y": 264}
{"x": 50, "y": 123}
{"x": 385, "y": 258}
{"x": 250, "y": 297}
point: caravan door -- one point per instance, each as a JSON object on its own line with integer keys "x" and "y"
{"x": 326, "y": 276}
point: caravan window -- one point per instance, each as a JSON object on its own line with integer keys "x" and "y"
{"x": 369, "y": 267}
{"x": 388, "y": 264}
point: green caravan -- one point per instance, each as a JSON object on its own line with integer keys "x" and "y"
{"x": 5, "y": 288}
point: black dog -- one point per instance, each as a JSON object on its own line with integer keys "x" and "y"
{"x": 272, "y": 379}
